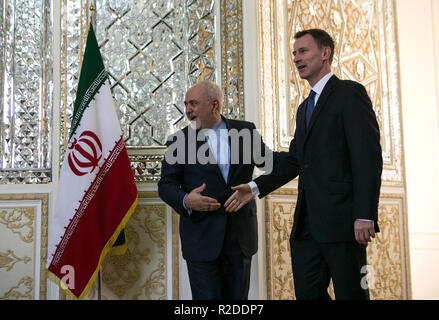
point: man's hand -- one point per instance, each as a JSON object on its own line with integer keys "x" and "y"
{"x": 239, "y": 198}
{"x": 195, "y": 201}
{"x": 364, "y": 230}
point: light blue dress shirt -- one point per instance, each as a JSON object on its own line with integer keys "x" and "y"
{"x": 218, "y": 139}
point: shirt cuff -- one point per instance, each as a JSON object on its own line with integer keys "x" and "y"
{"x": 254, "y": 188}
{"x": 364, "y": 220}
{"x": 189, "y": 211}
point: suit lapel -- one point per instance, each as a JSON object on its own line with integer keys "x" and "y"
{"x": 321, "y": 103}
{"x": 232, "y": 167}
{"x": 301, "y": 117}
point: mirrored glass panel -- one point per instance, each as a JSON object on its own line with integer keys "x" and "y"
{"x": 26, "y": 91}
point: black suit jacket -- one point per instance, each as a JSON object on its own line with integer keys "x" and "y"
{"x": 339, "y": 162}
{"x": 202, "y": 233}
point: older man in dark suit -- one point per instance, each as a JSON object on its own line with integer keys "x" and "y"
{"x": 337, "y": 154}
{"x": 202, "y": 162}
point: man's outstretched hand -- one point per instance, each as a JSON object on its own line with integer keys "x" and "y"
{"x": 195, "y": 201}
{"x": 239, "y": 198}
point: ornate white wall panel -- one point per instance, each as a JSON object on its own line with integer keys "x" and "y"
{"x": 141, "y": 272}
{"x": 149, "y": 270}
{"x": 23, "y": 246}
{"x": 387, "y": 274}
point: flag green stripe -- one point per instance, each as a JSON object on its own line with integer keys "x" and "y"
{"x": 92, "y": 76}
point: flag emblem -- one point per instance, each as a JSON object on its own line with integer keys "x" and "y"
{"x": 85, "y": 153}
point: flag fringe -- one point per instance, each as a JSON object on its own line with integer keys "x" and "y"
{"x": 107, "y": 249}
{"x": 119, "y": 250}
{"x": 56, "y": 280}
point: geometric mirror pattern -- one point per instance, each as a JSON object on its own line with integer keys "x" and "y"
{"x": 26, "y": 92}
{"x": 153, "y": 52}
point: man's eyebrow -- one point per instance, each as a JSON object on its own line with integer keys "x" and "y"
{"x": 300, "y": 48}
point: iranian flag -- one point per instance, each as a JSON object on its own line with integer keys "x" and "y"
{"x": 97, "y": 193}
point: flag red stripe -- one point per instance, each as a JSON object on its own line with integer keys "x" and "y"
{"x": 97, "y": 224}
{"x": 89, "y": 194}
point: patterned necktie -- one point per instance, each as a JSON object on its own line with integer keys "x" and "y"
{"x": 310, "y": 106}
{"x": 222, "y": 155}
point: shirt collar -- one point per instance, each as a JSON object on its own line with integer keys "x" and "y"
{"x": 218, "y": 125}
{"x": 318, "y": 87}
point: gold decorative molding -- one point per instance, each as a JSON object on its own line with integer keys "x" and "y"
{"x": 285, "y": 192}
{"x": 388, "y": 254}
{"x": 232, "y": 65}
{"x": 20, "y": 220}
{"x": 268, "y": 70}
{"x": 23, "y": 290}
{"x": 146, "y": 167}
{"x": 9, "y": 259}
{"x": 279, "y": 215}
{"x": 141, "y": 272}
{"x": 148, "y": 194}
{"x": 175, "y": 255}
{"x": 384, "y": 254}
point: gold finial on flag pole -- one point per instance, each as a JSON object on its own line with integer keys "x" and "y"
{"x": 93, "y": 16}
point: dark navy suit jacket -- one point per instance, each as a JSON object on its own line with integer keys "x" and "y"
{"x": 202, "y": 233}
{"x": 339, "y": 162}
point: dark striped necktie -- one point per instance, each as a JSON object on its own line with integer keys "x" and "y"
{"x": 310, "y": 106}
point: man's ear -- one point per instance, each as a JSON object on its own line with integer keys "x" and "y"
{"x": 215, "y": 104}
{"x": 326, "y": 53}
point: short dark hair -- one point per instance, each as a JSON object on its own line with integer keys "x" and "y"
{"x": 322, "y": 38}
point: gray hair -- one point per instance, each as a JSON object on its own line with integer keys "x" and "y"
{"x": 213, "y": 92}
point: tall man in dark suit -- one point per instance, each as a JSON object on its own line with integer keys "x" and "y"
{"x": 202, "y": 162}
{"x": 337, "y": 154}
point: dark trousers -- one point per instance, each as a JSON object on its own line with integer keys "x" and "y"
{"x": 314, "y": 264}
{"x": 225, "y": 278}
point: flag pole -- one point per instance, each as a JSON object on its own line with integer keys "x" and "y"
{"x": 93, "y": 23}
{"x": 99, "y": 284}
